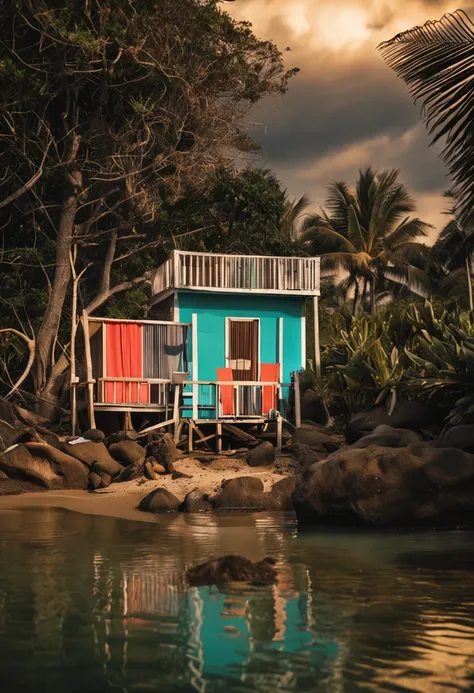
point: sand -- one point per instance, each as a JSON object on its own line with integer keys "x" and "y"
{"x": 121, "y": 500}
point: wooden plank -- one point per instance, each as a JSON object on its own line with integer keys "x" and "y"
{"x": 88, "y": 357}
{"x": 280, "y": 346}
{"x": 219, "y": 436}
{"x": 297, "y": 400}
{"x": 205, "y": 439}
{"x": 190, "y": 435}
{"x": 155, "y": 427}
{"x": 279, "y": 434}
{"x": 176, "y": 412}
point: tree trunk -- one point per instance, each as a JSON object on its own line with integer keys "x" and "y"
{"x": 355, "y": 304}
{"x": 469, "y": 281}
{"x": 48, "y": 331}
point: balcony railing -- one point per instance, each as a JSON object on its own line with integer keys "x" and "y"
{"x": 213, "y": 272}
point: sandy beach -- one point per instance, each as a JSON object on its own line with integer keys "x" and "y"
{"x": 121, "y": 500}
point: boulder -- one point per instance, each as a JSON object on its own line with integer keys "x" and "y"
{"x": 317, "y": 438}
{"x": 149, "y": 469}
{"x": 313, "y": 407}
{"x": 196, "y": 502}
{"x": 412, "y": 415}
{"x": 120, "y": 436}
{"x": 13, "y": 487}
{"x": 244, "y": 493}
{"x": 165, "y": 452}
{"x": 94, "y": 434}
{"x": 54, "y": 472}
{"x": 127, "y": 452}
{"x": 3, "y": 476}
{"x": 105, "y": 478}
{"x": 232, "y": 568}
{"x": 262, "y": 456}
{"x": 304, "y": 455}
{"x": 87, "y": 453}
{"x": 133, "y": 471}
{"x": 389, "y": 437}
{"x": 94, "y": 481}
{"x": 160, "y": 501}
{"x": 461, "y": 437}
{"x": 279, "y": 498}
{"x": 412, "y": 486}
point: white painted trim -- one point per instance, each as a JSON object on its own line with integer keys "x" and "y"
{"x": 227, "y": 333}
{"x": 228, "y": 290}
{"x": 141, "y": 322}
{"x": 280, "y": 347}
{"x": 194, "y": 327}
{"x": 303, "y": 339}
{"x": 317, "y": 352}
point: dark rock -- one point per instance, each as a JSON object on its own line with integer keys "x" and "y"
{"x": 412, "y": 486}
{"x": 317, "y": 438}
{"x": 279, "y": 498}
{"x": 3, "y": 476}
{"x": 262, "y": 456}
{"x": 461, "y": 437}
{"x": 87, "y": 453}
{"x": 13, "y": 487}
{"x": 43, "y": 465}
{"x": 149, "y": 469}
{"x": 313, "y": 407}
{"x": 94, "y": 434}
{"x": 94, "y": 480}
{"x": 411, "y": 415}
{"x": 231, "y": 568}
{"x": 181, "y": 475}
{"x": 242, "y": 493}
{"x": 389, "y": 437}
{"x": 304, "y": 455}
{"x": 133, "y": 471}
{"x": 127, "y": 452}
{"x": 196, "y": 502}
{"x": 164, "y": 451}
{"x": 160, "y": 501}
{"x": 105, "y": 478}
{"x": 121, "y": 436}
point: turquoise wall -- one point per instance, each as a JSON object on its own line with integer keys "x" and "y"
{"x": 212, "y": 310}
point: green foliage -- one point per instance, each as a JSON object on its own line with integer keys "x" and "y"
{"x": 407, "y": 351}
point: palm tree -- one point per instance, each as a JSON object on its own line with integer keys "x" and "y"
{"x": 290, "y": 221}
{"x": 452, "y": 254}
{"x": 436, "y": 61}
{"x": 368, "y": 232}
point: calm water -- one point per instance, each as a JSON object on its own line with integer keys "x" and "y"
{"x": 93, "y": 604}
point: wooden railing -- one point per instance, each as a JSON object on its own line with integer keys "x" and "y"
{"x": 247, "y": 398}
{"x": 238, "y": 273}
{"x": 133, "y": 391}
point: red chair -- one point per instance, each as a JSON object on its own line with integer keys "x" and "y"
{"x": 227, "y": 391}
{"x": 269, "y": 373}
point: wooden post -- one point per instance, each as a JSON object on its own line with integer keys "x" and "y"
{"x": 176, "y": 412}
{"x": 317, "y": 353}
{"x": 72, "y": 381}
{"x": 127, "y": 421}
{"x": 194, "y": 332}
{"x": 297, "y": 400}
{"x": 279, "y": 433}
{"x": 190, "y": 435}
{"x": 219, "y": 436}
{"x": 90, "y": 383}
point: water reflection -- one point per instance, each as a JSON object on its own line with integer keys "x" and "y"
{"x": 97, "y": 604}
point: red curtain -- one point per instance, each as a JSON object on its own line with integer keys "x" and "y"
{"x": 227, "y": 391}
{"x": 124, "y": 360}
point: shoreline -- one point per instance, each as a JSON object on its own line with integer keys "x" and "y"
{"x": 121, "y": 500}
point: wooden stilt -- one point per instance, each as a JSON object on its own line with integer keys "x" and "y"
{"x": 176, "y": 413}
{"x": 219, "y": 436}
{"x": 297, "y": 401}
{"x": 190, "y": 435}
{"x": 127, "y": 421}
{"x": 90, "y": 381}
{"x": 279, "y": 433}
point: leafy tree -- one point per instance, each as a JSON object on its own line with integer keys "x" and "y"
{"x": 106, "y": 110}
{"x": 368, "y": 232}
{"x": 436, "y": 62}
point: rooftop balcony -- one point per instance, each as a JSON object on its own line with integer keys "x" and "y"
{"x": 238, "y": 273}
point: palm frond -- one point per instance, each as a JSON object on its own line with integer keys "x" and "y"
{"x": 413, "y": 278}
{"x": 436, "y": 62}
{"x": 406, "y": 232}
{"x": 322, "y": 238}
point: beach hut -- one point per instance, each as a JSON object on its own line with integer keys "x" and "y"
{"x": 225, "y": 334}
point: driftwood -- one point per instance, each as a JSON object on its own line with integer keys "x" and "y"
{"x": 239, "y": 435}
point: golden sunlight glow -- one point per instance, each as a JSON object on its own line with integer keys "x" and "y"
{"x": 339, "y": 27}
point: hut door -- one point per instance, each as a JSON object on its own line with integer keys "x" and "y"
{"x": 243, "y": 349}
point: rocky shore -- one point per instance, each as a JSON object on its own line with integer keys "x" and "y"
{"x": 405, "y": 473}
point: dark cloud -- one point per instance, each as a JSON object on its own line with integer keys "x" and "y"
{"x": 332, "y": 106}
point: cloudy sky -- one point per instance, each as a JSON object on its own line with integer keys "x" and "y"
{"x": 346, "y": 108}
